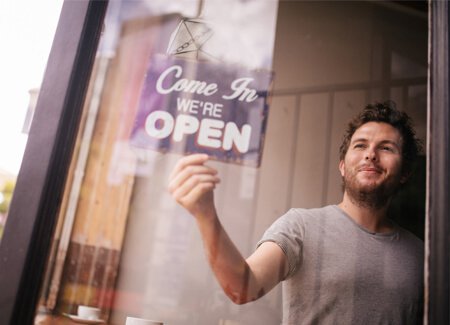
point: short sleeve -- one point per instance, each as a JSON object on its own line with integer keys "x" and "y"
{"x": 288, "y": 233}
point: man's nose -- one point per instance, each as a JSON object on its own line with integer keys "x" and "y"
{"x": 371, "y": 155}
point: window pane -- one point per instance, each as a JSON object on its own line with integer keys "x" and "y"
{"x": 123, "y": 244}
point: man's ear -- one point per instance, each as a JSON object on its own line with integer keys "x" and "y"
{"x": 342, "y": 167}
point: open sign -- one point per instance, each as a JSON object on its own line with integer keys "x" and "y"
{"x": 190, "y": 106}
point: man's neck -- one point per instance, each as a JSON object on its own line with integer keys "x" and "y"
{"x": 371, "y": 218}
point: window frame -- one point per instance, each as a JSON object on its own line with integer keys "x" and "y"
{"x": 27, "y": 238}
{"x": 28, "y": 232}
{"x": 437, "y": 260}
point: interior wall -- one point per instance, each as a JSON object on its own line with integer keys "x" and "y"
{"x": 332, "y": 59}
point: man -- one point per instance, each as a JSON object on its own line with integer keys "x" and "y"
{"x": 340, "y": 264}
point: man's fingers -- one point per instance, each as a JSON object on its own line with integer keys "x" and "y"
{"x": 192, "y": 184}
{"x": 187, "y": 173}
{"x": 187, "y": 167}
{"x": 197, "y": 192}
{"x": 195, "y": 159}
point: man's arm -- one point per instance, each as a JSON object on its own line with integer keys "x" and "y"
{"x": 192, "y": 184}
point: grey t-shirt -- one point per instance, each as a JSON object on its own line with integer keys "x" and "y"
{"x": 340, "y": 273}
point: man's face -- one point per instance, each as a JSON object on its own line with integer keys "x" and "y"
{"x": 372, "y": 164}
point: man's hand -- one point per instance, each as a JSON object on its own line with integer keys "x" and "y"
{"x": 191, "y": 183}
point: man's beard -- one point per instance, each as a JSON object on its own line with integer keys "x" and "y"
{"x": 374, "y": 196}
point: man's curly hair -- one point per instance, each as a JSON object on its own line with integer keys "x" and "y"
{"x": 386, "y": 112}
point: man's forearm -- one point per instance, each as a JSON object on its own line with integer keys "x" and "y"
{"x": 192, "y": 183}
{"x": 230, "y": 268}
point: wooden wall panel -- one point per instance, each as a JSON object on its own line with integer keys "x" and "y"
{"x": 100, "y": 204}
{"x": 103, "y": 203}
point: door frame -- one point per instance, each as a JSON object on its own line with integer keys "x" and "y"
{"x": 437, "y": 260}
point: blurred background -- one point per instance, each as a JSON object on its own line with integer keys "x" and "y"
{"x": 27, "y": 28}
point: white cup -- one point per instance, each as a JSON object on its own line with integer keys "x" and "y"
{"x": 87, "y": 312}
{"x": 141, "y": 321}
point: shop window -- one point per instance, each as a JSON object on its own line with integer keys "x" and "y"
{"x": 122, "y": 244}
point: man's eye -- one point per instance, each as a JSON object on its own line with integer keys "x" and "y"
{"x": 388, "y": 149}
{"x": 358, "y": 146}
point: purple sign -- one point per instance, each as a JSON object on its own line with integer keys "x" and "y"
{"x": 200, "y": 107}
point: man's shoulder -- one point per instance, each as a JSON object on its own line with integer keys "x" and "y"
{"x": 411, "y": 239}
{"x": 311, "y": 215}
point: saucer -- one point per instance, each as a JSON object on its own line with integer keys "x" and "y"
{"x": 78, "y": 319}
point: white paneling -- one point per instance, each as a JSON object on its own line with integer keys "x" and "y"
{"x": 417, "y": 101}
{"x": 375, "y": 95}
{"x": 273, "y": 192}
{"x": 321, "y": 43}
{"x": 310, "y": 159}
{"x": 397, "y": 95}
